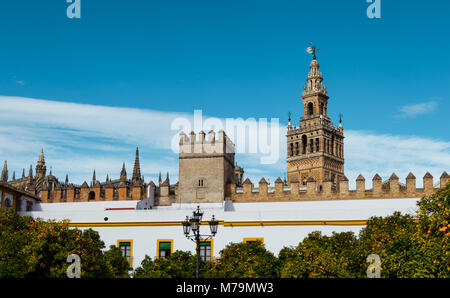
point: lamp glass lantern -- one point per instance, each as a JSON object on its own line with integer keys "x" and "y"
{"x": 194, "y": 224}
{"x": 213, "y": 225}
{"x": 186, "y": 226}
{"x": 198, "y": 214}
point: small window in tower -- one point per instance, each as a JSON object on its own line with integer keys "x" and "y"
{"x": 310, "y": 108}
{"x": 304, "y": 144}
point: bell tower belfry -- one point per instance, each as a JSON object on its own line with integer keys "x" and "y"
{"x": 315, "y": 148}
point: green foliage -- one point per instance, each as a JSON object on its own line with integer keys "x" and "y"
{"x": 322, "y": 256}
{"x": 407, "y": 246}
{"x": 432, "y": 235}
{"x": 116, "y": 262}
{"x": 245, "y": 260}
{"x": 392, "y": 239}
{"x": 37, "y": 248}
{"x": 180, "y": 264}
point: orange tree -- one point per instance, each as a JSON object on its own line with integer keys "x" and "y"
{"x": 116, "y": 263}
{"x": 432, "y": 235}
{"x": 392, "y": 239}
{"x": 412, "y": 246}
{"x": 180, "y": 264}
{"x": 245, "y": 260}
{"x": 37, "y": 248}
{"x": 322, "y": 256}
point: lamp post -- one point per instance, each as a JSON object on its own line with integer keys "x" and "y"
{"x": 192, "y": 224}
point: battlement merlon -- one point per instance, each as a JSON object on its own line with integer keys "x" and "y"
{"x": 309, "y": 191}
{"x": 191, "y": 145}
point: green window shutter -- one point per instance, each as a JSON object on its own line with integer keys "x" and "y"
{"x": 205, "y": 243}
{"x": 125, "y": 244}
{"x": 164, "y": 245}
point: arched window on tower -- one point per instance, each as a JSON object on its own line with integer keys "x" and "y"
{"x": 304, "y": 144}
{"x": 317, "y": 145}
{"x": 321, "y": 108}
{"x": 332, "y": 145}
{"x": 310, "y": 109}
{"x": 291, "y": 149}
{"x": 311, "y": 145}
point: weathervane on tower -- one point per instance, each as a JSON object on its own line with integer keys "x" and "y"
{"x": 312, "y": 50}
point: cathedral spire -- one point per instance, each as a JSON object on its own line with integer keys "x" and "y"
{"x": 123, "y": 174}
{"x": 5, "y": 172}
{"x": 41, "y": 157}
{"x": 40, "y": 166}
{"x": 67, "y": 179}
{"x": 30, "y": 175}
{"x": 167, "y": 179}
{"x": 93, "y": 178}
{"x": 159, "y": 179}
{"x": 137, "y": 168}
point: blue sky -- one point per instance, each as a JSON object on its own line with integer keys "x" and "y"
{"x": 389, "y": 77}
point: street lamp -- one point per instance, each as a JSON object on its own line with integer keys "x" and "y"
{"x": 192, "y": 224}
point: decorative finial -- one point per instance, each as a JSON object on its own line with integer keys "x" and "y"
{"x": 312, "y": 50}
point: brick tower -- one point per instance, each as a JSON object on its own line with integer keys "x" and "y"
{"x": 316, "y": 148}
{"x": 206, "y": 167}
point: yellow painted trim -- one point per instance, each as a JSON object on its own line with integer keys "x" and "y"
{"x": 212, "y": 247}
{"x": 227, "y": 224}
{"x": 245, "y": 240}
{"x": 299, "y": 223}
{"x": 131, "y": 249}
{"x": 133, "y": 223}
{"x": 163, "y": 240}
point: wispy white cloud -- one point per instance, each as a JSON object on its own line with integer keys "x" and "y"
{"x": 414, "y": 110}
{"x": 79, "y": 137}
{"x": 370, "y": 153}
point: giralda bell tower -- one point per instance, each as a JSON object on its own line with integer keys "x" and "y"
{"x": 315, "y": 148}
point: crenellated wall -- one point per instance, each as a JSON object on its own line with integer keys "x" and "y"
{"x": 164, "y": 195}
{"x": 391, "y": 188}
